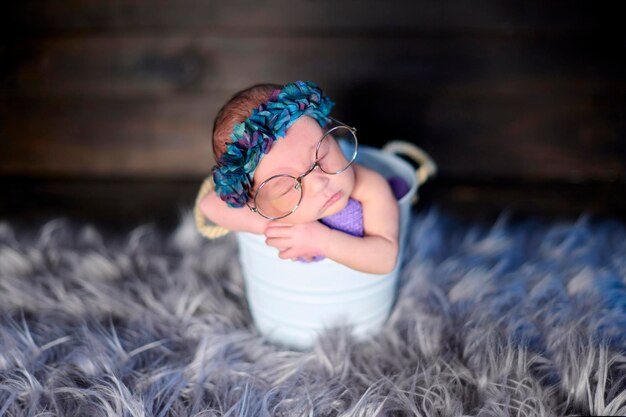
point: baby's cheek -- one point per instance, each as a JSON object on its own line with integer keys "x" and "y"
{"x": 349, "y": 180}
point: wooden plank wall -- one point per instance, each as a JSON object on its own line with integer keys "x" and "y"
{"x": 521, "y": 92}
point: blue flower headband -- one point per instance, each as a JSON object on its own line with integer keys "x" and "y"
{"x": 253, "y": 138}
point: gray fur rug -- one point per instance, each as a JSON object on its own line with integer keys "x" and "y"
{"x": 514, "y": 318}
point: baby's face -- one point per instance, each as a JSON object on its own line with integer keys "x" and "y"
{"x": 294, "y": 154}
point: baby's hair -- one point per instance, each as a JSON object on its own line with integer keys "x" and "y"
{"x": 237, "y": 110}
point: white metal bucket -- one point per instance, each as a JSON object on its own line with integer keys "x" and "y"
{"x": 291, "y": 302}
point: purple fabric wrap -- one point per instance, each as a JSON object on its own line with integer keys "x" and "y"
{"x": 350, "y": 219}
{"x": 399, "y": 186}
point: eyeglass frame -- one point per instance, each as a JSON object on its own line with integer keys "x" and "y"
{"x": 300, "y": 177}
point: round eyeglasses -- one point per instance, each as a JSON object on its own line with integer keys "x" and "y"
{"x": 280, "y": 195}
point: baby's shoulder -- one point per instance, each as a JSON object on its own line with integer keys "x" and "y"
{"x": 368, "y": 182}
{"x": 363, "y": 173}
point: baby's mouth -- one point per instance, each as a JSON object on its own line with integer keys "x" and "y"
{"x": 332, "y": 200}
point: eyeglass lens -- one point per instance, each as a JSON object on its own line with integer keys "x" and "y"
{"x": 336, "y": 150}
{"x": 280, "y": 195}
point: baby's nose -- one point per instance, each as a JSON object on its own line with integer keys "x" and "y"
{"x": 316, "y": 181}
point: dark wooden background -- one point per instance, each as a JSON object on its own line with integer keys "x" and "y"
{"x": 106, "y": 107}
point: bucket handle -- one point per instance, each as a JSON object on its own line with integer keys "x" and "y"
{"x": 203, "y": 225}
{"x": 427, "y": 167}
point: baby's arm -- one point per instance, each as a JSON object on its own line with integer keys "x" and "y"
{"x": 235, "y": 219}
{"x": 376, "y": 252}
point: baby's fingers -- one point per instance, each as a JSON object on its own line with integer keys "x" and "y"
{"x": 277, "y": 230}
{"x": 277, "y": 242}
{"x": 288, "y": 253}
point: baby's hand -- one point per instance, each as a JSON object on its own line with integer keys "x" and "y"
{"x": 298, "y": 240}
